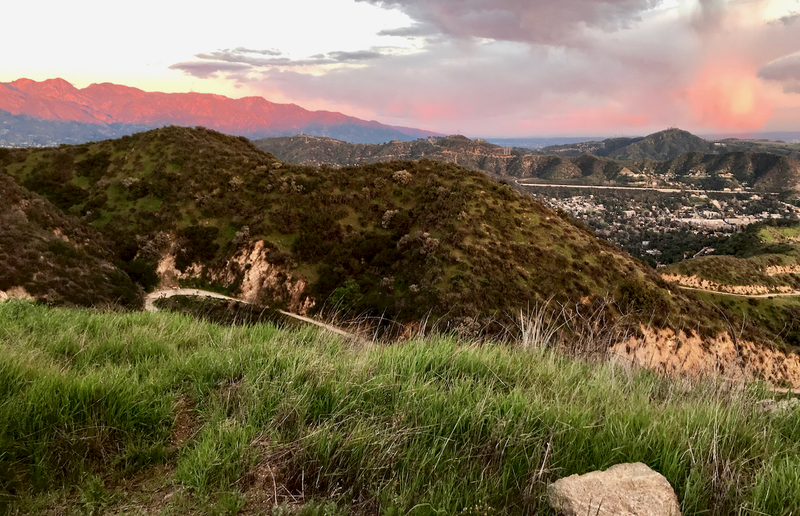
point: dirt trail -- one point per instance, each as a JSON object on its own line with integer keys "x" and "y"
{"x": 150, "y": 299}
{"x": 787, "y": 294}
{"x": 703, "y": 285}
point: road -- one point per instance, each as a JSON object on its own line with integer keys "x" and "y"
{"x": 636, "y": 188}
{"x": 150, "y": 299}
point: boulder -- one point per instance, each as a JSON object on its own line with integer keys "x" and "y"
{"x": 621, "y": 490}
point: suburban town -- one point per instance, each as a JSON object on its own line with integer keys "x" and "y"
{"x": 639, "y": 220}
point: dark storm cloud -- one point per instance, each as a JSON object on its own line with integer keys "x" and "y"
{"x": 785, "y": 70}
{"x": 268, "y": 52}
{"x": 414, "y": 31}
{"x": 240, "y": 59}
{"x": 709, "y": 15}
{"x": 208, "y": 69}
{"x": 533, "y": 21}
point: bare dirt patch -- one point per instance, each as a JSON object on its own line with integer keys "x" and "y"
{"x": 675, "y": 353}
{"x": 186, "y": 424}
{"x": 698, "y": 283}
{"x": 270, "y": 482}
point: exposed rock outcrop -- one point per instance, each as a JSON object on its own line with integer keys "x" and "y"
{"x": 621, "y": 490}
{"x": 775, "y": 270}
{"x": 674, "y": 353}
{"x": 255, "y": 279}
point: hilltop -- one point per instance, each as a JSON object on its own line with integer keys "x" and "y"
{"x": 473, "y": 154}
{"x": 660, "y": 146}
{"x": 52, "y": 258}
{"x": 405, "y": 239}
{"x": 620, "y": 162}
{"x": 663, "y": 145}
{"x": 667, "y": 145}
{"x": 117, "y": 110}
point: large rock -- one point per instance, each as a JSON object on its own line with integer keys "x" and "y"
{"x": 621, "y": 490}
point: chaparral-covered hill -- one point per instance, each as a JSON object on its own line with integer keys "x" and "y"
{"x": 53, "y": 258}
{"x": 406, "y": 239}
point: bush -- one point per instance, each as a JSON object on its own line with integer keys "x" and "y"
{"x": 197, "y": 245}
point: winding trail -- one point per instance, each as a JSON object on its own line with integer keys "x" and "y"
{"x": 789, "y": 294}
{"x": 150, "y": 299}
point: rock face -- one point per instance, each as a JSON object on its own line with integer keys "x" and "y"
{"x": 257, "y": 280}
{"x": 621, "y": 490}
{"x": 675, "y": 353}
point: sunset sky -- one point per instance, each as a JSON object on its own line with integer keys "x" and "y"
{"x": 478, "y": 67}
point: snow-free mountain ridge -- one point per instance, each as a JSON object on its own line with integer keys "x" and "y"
{"x": 109, "y": 104}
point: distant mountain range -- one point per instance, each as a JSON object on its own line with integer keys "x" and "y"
{"x": 666, "y": 157}
{"x": 54, "y": 111}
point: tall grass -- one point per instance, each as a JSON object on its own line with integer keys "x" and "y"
{"x": 276, "y": 418}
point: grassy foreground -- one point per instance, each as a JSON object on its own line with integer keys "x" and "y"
{"x": 161, "y": 414}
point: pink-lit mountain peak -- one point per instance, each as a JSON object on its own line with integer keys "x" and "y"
{"x": 50, "y": 87}
{"x": 105, "y": 103}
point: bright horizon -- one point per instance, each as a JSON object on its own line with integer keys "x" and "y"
{"x": 489, "y": 68}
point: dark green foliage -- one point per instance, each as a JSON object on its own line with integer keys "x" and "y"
{"x": 54, "y": 258}
{"x": 142, "y": 272}
{"x": 637, "y": 296}
{"x": 197, "y": 245}
{"x": 53, "y": 179}
{"x": 345, "y": 296}
{"x": 94, "y": 166}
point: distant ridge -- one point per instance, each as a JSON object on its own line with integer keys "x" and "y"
{"x": 115, "y": 107}
{"x": 685, "y": 158}
{"x": 666, "y": 145}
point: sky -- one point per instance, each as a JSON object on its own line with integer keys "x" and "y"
{"x": 492, "y": 68}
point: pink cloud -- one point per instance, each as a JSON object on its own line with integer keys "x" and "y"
{"x": 730, "y": 97}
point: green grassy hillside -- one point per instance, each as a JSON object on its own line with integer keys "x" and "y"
{"x": 159, "y": 413}
{"x": 403, "y": 240}
{"x": 763, "y": 255}
{"x": 54, "y": 258}
{"x": 750, "y": 258}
